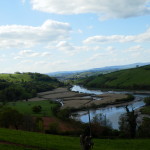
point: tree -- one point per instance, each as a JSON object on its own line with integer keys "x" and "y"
{"x": 37, "y": 109}
{"x": 102, "y": 120}
{"x": 147, "y": 101}
{"x": 101, "y": 126}
{"x": 10, "y": 118}
{"x": 128, "y": 123}
{"x": 144, "y": 129}
{"x": 64, "y": 114}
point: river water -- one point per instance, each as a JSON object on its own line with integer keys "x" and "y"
{"x": 112, "y": 113}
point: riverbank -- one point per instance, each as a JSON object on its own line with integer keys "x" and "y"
{"x": 76, "y": 100}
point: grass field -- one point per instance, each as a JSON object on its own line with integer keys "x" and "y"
{"x": 136, "y": 78}
{"x": 55, "y": 142}
{"x": 26, "y": 107}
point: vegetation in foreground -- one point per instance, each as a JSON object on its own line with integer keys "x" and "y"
{"x": 56, "y": 142}
{"x": 133, "y": 79}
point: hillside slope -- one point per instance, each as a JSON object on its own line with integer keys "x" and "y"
{"x": 25, "y": 85}
{"x": 137, "y": 78}
{"x": 73, "y": 75}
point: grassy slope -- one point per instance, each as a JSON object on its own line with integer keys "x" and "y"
{"x": 26, "y": 107}
{"x": 25, "y": 77}
{"x": 25, "y": 85}
{"x": 55, "y": 142}
{"x": 136, "y": 78}
{"x": 15, "y": 77}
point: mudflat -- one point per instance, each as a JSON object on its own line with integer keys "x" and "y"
{"x": 77, "y": 100}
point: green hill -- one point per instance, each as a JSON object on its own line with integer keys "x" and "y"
{"x": 22, "y": 140}
{"x": 134, "y": 79}
{"x": 18, "y": 86}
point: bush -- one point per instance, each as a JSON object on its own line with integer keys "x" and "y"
{"x": 37, "y": 109}
{"x": 147, "y": 101}
{"x": 64, "y": 114}
{"x": 54, "y": 128}
{"x": 10, "y": 118}
{"x": 144, "y": 130}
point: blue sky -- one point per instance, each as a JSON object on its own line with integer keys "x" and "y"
{"x": 61, "y": 35}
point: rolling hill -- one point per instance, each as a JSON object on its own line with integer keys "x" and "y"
{"x": 136, "y": 78}
{"x": 18, "y": 86}
{"x": 73, "y": 75}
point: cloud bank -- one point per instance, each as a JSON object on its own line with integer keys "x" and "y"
{"x": 105, "y": 8}
{"x": 28, "y": 36}
{"x": 99, "y": 39}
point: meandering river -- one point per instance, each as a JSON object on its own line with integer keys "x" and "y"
{"x": 112, "y": 113}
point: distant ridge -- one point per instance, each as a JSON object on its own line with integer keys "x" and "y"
{"x": 99, "y": 69}
{"x": 94, "y": 71}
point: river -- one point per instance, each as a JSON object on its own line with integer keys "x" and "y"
{"x": 112, "y": 113}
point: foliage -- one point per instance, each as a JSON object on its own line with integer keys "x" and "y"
{"x": 102, "y": 120}
{"x": 19, "y": 86}
{"x": 54, "y": 128}
{"x": 144, "y": 129}
{"x": 10, "y": 117}
{"x": 39, "y": 124}
{"x": 147, "y": 101}
{"x": 128, "y": 123}
{"x": 145, "y": 110}
{"x": 64, "y": 114}
{"x": 101, "y": 127}
{"x": 37, "y": 109}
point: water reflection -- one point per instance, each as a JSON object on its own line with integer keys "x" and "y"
{"x": 112, "y": 113}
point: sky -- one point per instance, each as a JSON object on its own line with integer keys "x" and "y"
{"x": 65, "y": 35}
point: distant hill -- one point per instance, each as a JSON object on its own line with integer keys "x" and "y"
{"x": 25, "y": 85}
{"x": 135, "y": 78}
{"x": 71, "y": 75}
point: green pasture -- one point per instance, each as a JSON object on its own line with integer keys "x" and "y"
{"x": 25, "y": 107}
{"x": 56, "y": 142}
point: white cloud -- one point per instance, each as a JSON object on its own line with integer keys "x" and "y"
{"x": 144, "y": 37}
{"x": 107, "y": 8}
{"x": 23, "y": 1}
{"x": 29, "y": 36}
{"x": 25, "y": 52}
{"x": 137, "y": 48}
{"x": 97, "y": 56}
{"x": 29, "y": 53}
{"x": 65, "y": 46}
{"x": 80, "y": 31}
{"x": 18, "y": 57}
{"x": 44, "y": 54}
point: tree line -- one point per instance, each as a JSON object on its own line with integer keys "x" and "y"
{"x": 20, "y": 88}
